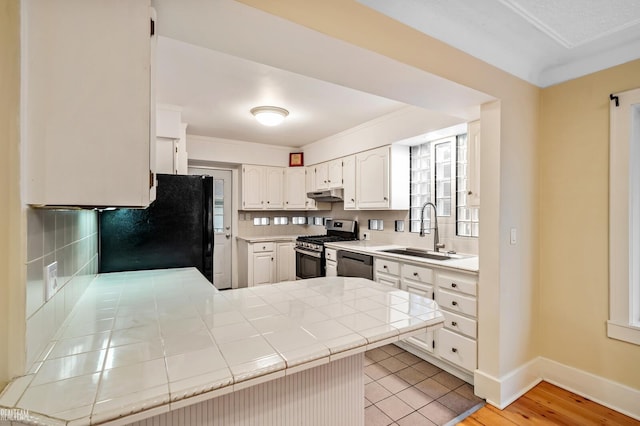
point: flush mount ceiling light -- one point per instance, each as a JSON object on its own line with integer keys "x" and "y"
{"x": 269, "y": 115}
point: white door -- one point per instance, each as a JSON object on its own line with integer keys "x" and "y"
{"x": 222, "y": 231}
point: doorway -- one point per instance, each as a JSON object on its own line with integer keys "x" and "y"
{"x": 222, "y": 221}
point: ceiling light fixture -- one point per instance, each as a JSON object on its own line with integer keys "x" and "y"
{"x": 269, "y": 115}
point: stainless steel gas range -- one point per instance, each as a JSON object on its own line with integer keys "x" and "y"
{"x": 310, "y": 258}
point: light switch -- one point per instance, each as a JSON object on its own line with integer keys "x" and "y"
{"x": 513, "y": 239}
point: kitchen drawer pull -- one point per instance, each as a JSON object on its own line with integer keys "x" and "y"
{"x": 454, "y": 285}
{"x": 384, "y": 267}
{"x": 454, "y": 324}
{"x": 415, "y": 274}
{"x": 264, "y": 247}
{"x": 454, "y": 303}
{"x": 454, "y": 350}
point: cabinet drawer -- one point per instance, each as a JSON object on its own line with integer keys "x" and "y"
{"x": 456, "y": 302}
{"x": 418, "y": 273}
{"x": 331, "y": 254}
{"x": 388, "y": 280}
{"x": 458, "y": 282}
{"x": 387, "y": 266}
{"x": 262, "y": 247}
{"x": 460, "y": 324}
{"x": 457, "y": 349}
{"x": 421, "y": 289}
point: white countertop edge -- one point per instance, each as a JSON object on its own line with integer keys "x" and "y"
{"x": 468, "y": 264}
{"x": 274, "y": 238}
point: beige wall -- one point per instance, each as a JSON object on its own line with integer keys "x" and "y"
{"x": 12, "y": 271}
{"x": 509, "y": 186}
{"x": 574, "y": 238}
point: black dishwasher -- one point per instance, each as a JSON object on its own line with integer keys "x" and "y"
{"x": 352, "y": 264}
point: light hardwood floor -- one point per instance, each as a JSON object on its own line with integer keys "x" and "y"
{"x": 547, "y": 404}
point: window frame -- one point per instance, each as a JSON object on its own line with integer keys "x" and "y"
{"x": 452, "y": 140}
{"x": 624, "y": 218}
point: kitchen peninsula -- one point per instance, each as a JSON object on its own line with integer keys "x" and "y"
{"x": 167, "y": 344}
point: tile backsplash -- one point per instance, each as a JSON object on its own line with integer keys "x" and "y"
{"x": 384, "y": 218}
{"x": 69, "y": 237}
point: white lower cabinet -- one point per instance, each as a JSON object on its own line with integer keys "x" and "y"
{"x": 331, "y": 266}
{"x": 387, "y": 272}
{"x": 265, "y": 262}
{"x": 453, "y": 347}
{"x": 285, "y": 262}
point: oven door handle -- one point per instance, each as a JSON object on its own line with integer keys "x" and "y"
{"x": 315, "y": 254}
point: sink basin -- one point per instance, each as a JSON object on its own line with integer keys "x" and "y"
{"x": 422, "y": 253}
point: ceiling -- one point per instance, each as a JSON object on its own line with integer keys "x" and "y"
{"x": 217, "y": 59}
{"x": 217, "y": 90}
{"x": 541, "y": 41}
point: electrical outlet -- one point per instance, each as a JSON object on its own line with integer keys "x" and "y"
{"x": 366, "y": 236}
{"x": 50, "y": 280}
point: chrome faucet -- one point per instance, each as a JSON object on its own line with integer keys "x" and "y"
{"x": 436, "y": 235}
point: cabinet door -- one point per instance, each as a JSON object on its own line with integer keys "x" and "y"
{"x": 252, "y": 187}
{"x": 89, "y": 126}
{"x": 295, "y": 188}
{"x": 473, "y": 164}
{"x": 331, "y": 268}
{"x": 372, "y": 179}
{"x": 334, "y": 174}
{"x": 321, "y": 176}
{"x": 349, "y": 181}
{"x": 263, "y": 268}
{"x": 285, "y": 262}
{"x": 310, "y": 178}
{"x": 274, "y": 194}
{"x": 423, "y": 341}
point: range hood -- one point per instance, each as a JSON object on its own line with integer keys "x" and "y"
{"x": 329, "y": 195}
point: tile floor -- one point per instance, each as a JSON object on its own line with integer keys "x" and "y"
{"x": 402, "y": 389}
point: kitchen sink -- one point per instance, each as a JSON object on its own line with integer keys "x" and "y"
{"x": 413, "y": 252}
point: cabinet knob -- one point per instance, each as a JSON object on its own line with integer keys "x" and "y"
{"x": 384, "y": 266}
{"x": 454, "y": 303}
{"x": 353, "y": 200}
{"x": 454, "y": 350}
{"x": 454, "y": 324}
{"x": 386, "y": 199}
{"x": 264, "y": 247}
{"x": 469, "y": 193}
{"x": 415, "y": 274}
{"x": 287, "y": 202}
{"x": 454, "y": 285}
{"x": 272, "y": 259}
{"x": 268, "y": 202}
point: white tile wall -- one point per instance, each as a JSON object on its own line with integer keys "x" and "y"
{"x": 69, "y": 237}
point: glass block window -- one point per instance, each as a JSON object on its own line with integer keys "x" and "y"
{"x": 439, "y": 175}
{"x": 467, "y": 218}
{"x": 430, "y": 181}
{"x": 420, "y": 185}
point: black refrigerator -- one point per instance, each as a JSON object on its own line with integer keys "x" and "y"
{"x": 175, "y": 231}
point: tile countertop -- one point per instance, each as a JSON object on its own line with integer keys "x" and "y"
{"x": 143, "y": 343}
{"x": 470, "y": 264}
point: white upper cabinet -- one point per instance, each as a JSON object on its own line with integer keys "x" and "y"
{"x": 252, "y": 187}
{"x": 295, "y": 189}
{"x": 89, "y": 115}
{"x": 310, "y": 180}
{"x": 349, "y": 179}
{"x": 171, "y": 141}
{"x": 328, "y": 175}
{"x": 262, "y": 187}
{"x": 382, "y": 178}
{"x": 473, "y": 164}
{"x": 274, "y": 188}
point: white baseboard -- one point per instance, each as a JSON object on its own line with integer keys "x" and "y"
{"x": 503, "y": 391}
{"x": 614, "y": 395}
{"x": 500, "y": 392}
